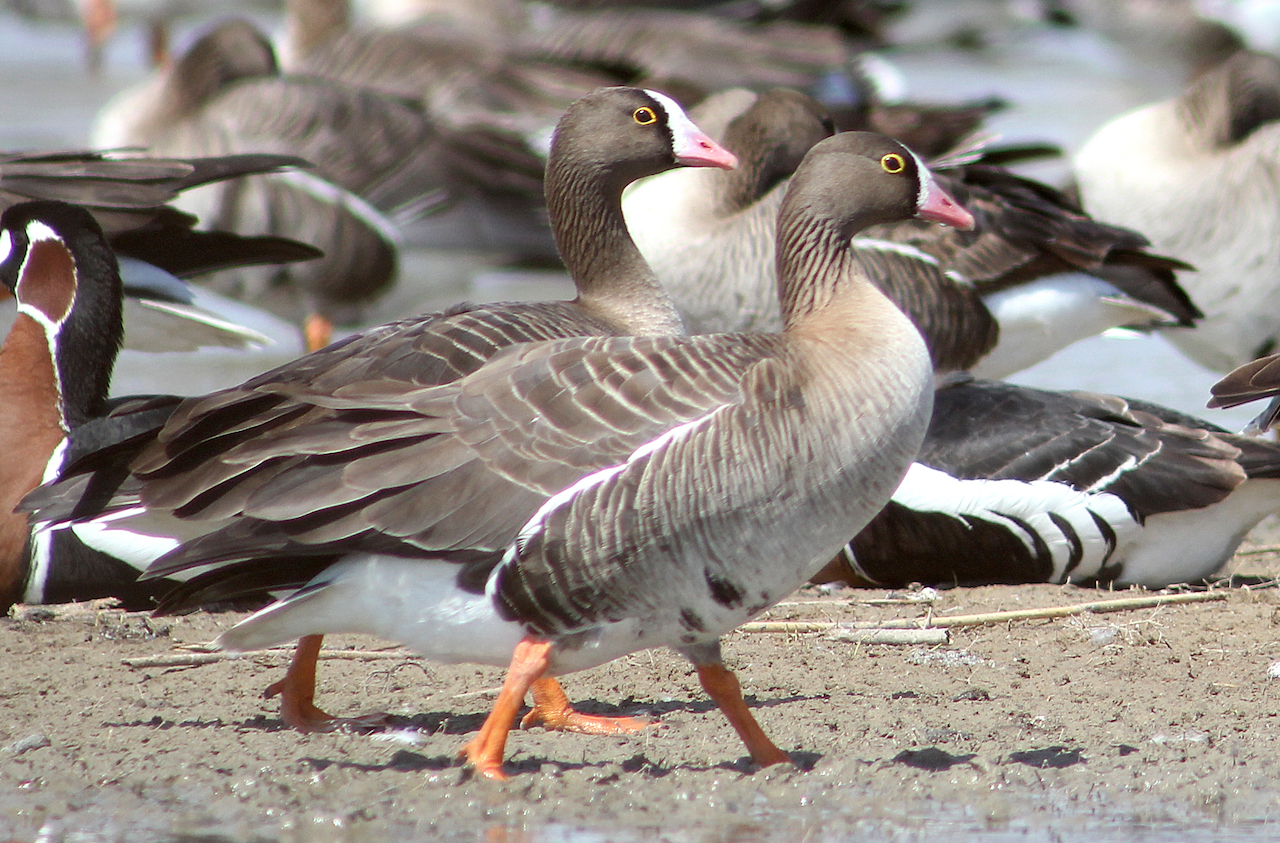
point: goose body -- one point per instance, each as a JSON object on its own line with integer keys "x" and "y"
{"x": 579, "y": 498}
{"x": 1216, "y": 147}
{"x": 1034, "y": 275}
{"x": 226, "y": 95}
{"x": 604, "y": 141}
{"x": 1015, "y": 484}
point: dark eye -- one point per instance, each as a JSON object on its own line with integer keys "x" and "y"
{"x": 644, "y": 116}
{"x": 893, "y": 163}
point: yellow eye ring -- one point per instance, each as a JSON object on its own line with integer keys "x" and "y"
{"x": 893, "y": 163}
{"x": 644, "y": 116}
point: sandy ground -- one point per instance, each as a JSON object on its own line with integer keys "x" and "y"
{"x": 1111, "y": 726}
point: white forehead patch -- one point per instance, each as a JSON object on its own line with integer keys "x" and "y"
{"x": 6, "y": 245}
{"x": 677, "y": 121}
{"x": 925, "y": 175}
{"x": 37, "y": 230}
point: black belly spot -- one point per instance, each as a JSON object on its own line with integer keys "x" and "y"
{"x": 689, "y": 620}
{"x": 723, "y": 591}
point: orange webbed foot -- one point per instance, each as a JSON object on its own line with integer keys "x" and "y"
{"x": 552, "y": 710}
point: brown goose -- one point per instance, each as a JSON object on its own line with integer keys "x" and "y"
{"x": 226, "y": 95}
{"x": 1027, "y": 281}
{"x": 603, "y": 142}
{"x": 461, "y": 77}
{"x": 579, "y": 499}
{"x": 1216, "y": 147}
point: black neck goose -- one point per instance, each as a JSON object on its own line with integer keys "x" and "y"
{"x": 55, "y": 372}
{"x": 605, "y": 140}
{"x": 1027, "y": 281}
{"x": 1015, "y": 485}
{"x": 1215, "y": 148}
{"x": 156, "y": 245}
{"x": 588, "y": 461}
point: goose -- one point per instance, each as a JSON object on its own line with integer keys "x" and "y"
{"x": 573, "y": 500}
{"x": 1216, "y": 148}
{"x": 156, "y": 245}
{"x": 1027, "y": 281}
{"x": 55, "y": 373}
{"x": 1015, "y": 484}
{"x": 461, "y": 77}
{"x": 603, "y": 141}
{"x": 225, "y": 95}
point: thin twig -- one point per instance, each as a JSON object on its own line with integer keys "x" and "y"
{"x": 1126, "y": 604}
{"x": 197, "y": 659}
{"x": 851, "y": 632}
{"x": 1254, "y": 551}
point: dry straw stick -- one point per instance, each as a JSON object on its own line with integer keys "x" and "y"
{"x": 197, "y": 659}
{"x": 1126, "y": 604}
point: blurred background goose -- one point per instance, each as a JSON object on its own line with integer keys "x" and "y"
{"x": 1198, "y": 175}
{"x": 156, "y": 245}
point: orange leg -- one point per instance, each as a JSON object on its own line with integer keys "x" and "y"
{"x": 297, "y": 689}
{"x": 552, "y": 710}
{"x": 317, "y": 331}
{"x": 722, "y": 686}
{"x": 485, "y": 751}
{"x": 297, "y": 692}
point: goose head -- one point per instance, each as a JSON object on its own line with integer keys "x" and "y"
{"x": 770, "y": 139}
{"x": 624, "y": 134}
{"x": 845, "y": 184}
{"x": 858, "y": 179}
{"x": 57, "y": 264}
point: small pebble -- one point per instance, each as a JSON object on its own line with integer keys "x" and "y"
{"x": 28, "y": 743}
{"x": 1103, "y": 635}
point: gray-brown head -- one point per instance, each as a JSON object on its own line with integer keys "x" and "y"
{"x": 858, "y": 179}
{"x": 845, "y": 184}
{"x": 606, "y": 140}
{"x": 231, "y": 51}
{"x": 623, "y": 134}
{"x": 770, "y": 139}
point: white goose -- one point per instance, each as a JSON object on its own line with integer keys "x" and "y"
{"x": 1199, "y": 175}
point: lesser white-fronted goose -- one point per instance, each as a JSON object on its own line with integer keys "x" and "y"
{"x": 604, "y": 141}
{"x": 156, "y": 245}
{"x": 572, "y": 500}
{"x": 1024, "y": 283}
{"x": 1197, "y": 174}
{"x": 1015, "y": 484}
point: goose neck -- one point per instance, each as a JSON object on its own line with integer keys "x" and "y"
{"x": 611, "y": 276}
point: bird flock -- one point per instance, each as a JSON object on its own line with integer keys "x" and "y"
{"x": 796, "y": 302}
